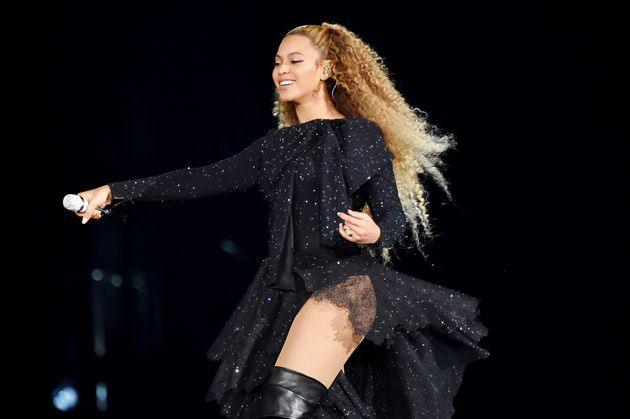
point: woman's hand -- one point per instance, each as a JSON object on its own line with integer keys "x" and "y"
{"x": 364, "y": 229}
{"x": 99, "y": 197}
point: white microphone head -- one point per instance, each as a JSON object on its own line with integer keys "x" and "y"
{"x": 75, "y": 203}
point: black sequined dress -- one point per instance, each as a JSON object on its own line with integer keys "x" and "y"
{"x": 419, "y": 336}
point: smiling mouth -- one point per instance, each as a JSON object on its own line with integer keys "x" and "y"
{"x": 286, "y": 85}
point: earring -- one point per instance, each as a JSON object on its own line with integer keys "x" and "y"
{"x": 317, "y": 89}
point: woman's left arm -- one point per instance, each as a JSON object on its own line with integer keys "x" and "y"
{"x": 381, "y": 194}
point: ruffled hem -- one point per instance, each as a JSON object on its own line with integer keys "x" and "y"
{"x": 409, "y": 365}
{"x": 405, "y": 301}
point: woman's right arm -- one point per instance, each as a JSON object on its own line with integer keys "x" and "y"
{"x": 234, "y": 173}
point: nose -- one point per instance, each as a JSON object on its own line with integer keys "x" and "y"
{"x": 280, "y": 67}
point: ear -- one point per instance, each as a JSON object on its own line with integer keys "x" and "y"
{"x": 326, "y": 65}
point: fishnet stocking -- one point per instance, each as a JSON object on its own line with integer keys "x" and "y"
{"x": 328, "y": 328}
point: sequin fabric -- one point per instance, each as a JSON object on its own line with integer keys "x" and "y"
{"x": 419, "y": 336}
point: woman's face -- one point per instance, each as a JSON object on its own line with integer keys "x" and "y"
{"x": 297, "y": 60}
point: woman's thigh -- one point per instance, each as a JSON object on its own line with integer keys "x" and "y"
{"x": 328, "y": 328}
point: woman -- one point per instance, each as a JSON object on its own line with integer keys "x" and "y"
{"x": 336, "y": 210}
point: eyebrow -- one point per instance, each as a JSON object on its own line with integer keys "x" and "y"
{"x": 291, "y": 53}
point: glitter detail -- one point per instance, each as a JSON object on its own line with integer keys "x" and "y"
{"x": 419, "y": 336}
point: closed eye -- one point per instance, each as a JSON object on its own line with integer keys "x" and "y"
{"x": 294, "y": 62}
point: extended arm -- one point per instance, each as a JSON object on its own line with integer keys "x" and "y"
{"x": 237, "y": 172}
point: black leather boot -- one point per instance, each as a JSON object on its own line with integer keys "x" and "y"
{"x": 287, "y": 394}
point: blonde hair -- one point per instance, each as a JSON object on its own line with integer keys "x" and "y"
{"x": 363, "y": 88}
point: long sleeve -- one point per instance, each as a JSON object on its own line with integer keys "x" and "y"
{"x": 237, "y": 172}
{"x": 381, "y": 194}
{"x": 369, "y": 172}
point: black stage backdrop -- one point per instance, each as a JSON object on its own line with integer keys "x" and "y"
{"x": 123, "y": 310}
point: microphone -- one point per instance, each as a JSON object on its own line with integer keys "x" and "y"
{"x": 79, "y": 204}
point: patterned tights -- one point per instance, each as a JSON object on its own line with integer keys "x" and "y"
{"x": 328, "y": 328}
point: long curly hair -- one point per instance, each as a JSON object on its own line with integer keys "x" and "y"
{"x": 361, "y": 86}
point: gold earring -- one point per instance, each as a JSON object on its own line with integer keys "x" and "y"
{"x": 317, "y": 89}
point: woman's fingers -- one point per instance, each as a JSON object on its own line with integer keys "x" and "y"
{"x": 354, "y": 215}
{"x": 363, "y": 227}
{"x": 353, "y": 238}
{"x": 95, "y": 214}
{"x": 89, "y": 213}
{"x": 86, "y": 216}
{"x": 353, "y": 220}
{"x": 96, "y": 198}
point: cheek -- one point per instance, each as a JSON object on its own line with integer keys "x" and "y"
{"x": 308, "y": 79}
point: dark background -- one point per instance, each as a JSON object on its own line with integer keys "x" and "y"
{"x": 100, "y": 92}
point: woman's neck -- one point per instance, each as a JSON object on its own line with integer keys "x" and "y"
{"x": 322, "y": 109}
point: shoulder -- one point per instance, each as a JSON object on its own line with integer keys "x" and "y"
{"x": 363, "y": 152}
{"x": 365, "y": 134}
{"x": 363, "y": 139}
{"x": 264, "y": 139}
{"x": 359, "y": 122}
{"x": 363, "y": 131}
